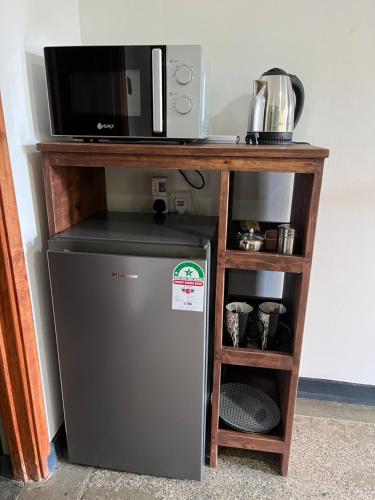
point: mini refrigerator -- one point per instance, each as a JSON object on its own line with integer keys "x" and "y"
{"x": 131, "y": 300}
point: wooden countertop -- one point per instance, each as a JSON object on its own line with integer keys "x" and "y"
{"x": 195, "y": 149}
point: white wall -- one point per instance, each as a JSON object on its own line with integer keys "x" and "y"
{"x": 330, "y": 46}
{"x": 25, "y": 27}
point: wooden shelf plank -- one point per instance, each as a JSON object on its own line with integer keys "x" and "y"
{"x": 174, "y": 162}
{"x": 237, "y": 259}
{"x": 250, "y": 356}
{"x": 257, "y": 442}
{"x": 301, "y": 151}
{"x": 303, "y": 159}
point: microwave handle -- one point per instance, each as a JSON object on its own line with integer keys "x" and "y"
{"x": 157, "y": 91}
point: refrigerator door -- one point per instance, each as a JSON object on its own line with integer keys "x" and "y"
{"x": 133, "y": 370}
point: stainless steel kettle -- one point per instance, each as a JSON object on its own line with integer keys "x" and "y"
{"x": 275, "y": 108}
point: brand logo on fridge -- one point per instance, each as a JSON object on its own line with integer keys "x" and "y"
{"x": 105, "y": 125}
{"x": 126, "y": 276}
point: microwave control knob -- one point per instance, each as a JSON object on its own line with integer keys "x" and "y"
{"x": 184, "y": 74}
{"x": 183, "y": 104}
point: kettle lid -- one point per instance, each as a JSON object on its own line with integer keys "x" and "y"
{"x": 275, "y": 71}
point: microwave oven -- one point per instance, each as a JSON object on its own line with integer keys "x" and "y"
{"x": 134, "y": 92}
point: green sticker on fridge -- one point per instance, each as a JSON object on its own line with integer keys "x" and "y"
{"x": 188, "y": 287}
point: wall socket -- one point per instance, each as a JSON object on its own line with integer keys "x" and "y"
{"x": 160, "y": 195}
{"x": 181, "y": 201}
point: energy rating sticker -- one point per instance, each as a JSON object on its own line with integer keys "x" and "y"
{"x": 188, "y": 287}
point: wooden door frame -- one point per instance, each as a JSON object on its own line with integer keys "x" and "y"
{"x": 22, "y": 405}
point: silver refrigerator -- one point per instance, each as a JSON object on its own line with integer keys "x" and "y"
{"x": 131, "y": 295}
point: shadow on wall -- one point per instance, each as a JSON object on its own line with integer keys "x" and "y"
{"x": 237, "y": 112}
{"x": 36, "y": 251}
{"x": 38, "y": 95}
{"x": 36, "y": 255}
{"x": 36, "y": 248}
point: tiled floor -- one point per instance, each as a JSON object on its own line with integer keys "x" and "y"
{"x": 9, "y": 490}
{"x": 333, "y": 456}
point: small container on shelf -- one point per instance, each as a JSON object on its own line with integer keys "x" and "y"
{"x": 250, "y": 241}
{"x": 286, "y": 237}
{"x": 270, "y": 240}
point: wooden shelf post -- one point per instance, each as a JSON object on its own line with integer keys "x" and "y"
{"x": 219, "y": 310}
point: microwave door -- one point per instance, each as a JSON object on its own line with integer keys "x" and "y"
{"x": 104, "y": 91}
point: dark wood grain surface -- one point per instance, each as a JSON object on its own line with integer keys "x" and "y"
{"x": 72, "y": 194}
{"x": 295, "y": 293}
{"x": 219, "y": 313}
{"x": 238, "y": 259}
{"x": 175, "y": 161}
{"x": 249, "y": 356}
{"x": 21, "y": 395}
{"x": 258, "y": 442}
{"x": 303, "y": 151}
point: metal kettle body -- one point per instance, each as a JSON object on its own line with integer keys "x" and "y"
{"x": 275, "y": 109}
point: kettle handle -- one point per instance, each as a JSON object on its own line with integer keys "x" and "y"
{"x": 300, "y": 97}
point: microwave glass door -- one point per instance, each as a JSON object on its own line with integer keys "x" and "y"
{"x": 101, "y": 91}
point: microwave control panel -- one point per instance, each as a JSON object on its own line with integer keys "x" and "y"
{"x": 186, "y": 92}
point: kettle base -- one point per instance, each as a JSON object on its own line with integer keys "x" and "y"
{"x": 269, "y": 137}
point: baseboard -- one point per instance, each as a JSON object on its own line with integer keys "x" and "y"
{"x": 332, "y": 390}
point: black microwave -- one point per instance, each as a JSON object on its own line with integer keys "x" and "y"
{"x": 119, "y": 92}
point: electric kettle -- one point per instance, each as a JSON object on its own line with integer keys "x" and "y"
{"x": 275, "y": 108}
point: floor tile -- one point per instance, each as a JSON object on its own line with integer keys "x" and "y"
{"x": 9, "y": 490}
{"x": 331, "y": 458}
{"x": 106, "y": 492}
{"x": 68, "y": 483}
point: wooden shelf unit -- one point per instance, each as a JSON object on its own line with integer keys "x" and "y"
{"x": 74, "y": 182}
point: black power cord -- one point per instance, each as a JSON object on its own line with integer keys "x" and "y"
{"x": 203, "y": 182}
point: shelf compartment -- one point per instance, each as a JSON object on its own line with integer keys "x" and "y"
{"x": 273, "y": 382}
{"x": 247, "y": 441}
{"x": 258, "y": 190}
{"x": 242, "y": 286}
{"x": 255, "y": 357}
{"x": 238, "y": 259}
